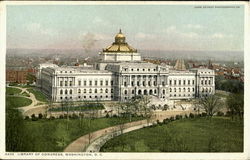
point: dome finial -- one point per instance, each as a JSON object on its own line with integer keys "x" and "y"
{"x": 120, "y": 31}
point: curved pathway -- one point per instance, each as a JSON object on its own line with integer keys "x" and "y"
{"x": 32, "y": 97}
{"x": 82, "y": 144}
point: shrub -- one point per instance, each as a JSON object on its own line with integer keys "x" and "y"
{"x": 27, "y": 118}
{"x": 157, "y": 121}
{"x": 191, "y": 115}
{"x": 40, "y": 116}
{"x": 115, "y": 116}
{"x": 165, "y": 121}
{"x": 61, "y": 116}
{"x": 203, "y": 114}
{"x": 177, "y": 117}
{"x": 171, "y": 118}
{"x": 33, "y": 117}
{"x": 107, "y": 115}
{"x": 220, "y": 113}
{"x": 74, "y": 116}
{"x": 186, "y": 116}
{"x": 51, "y": 117}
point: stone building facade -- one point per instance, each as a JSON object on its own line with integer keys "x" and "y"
{"x": 121, "y": 75}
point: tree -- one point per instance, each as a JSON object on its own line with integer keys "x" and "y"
{"x": 210, "y": 104}
{"x": 15, "y": 130}
{"x": 145, "y": 108}
{"x": 62, "y": 135}
{"x": 235, "y": 104}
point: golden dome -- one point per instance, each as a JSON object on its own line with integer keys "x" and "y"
{"x": 120, "y": 35}
{"x": 120, "y": 44}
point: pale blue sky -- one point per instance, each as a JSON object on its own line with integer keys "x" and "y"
{"x": 163, "y": 27}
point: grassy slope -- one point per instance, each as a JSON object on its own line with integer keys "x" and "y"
{"x": 14, "y": 102}
{"x": 191, "y": 135}
{"x": 39, "y": 95}
{"x": 12, "y": 91}
{"x": 42, "y": 135}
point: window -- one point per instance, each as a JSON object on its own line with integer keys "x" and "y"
{"x": 66, "y": 83}
{"x": 184, "y": 89}
{"x": 155, "y": 91}
{"x": 188, "y": 82}
{"x": 163, "y": 91}
{"x": 95, "y": 90}
{"x": 79, "y": 90}
{"x": 106, "y": 90}
{"x": 101, "y": 90}
{"x": 90, "y": 83}
{"x": 84, "y": 91}
{"x": 174, "y": 89}
{"x": 138, "y": 83}
{"x": 101, "y": 83}
{"x": 61, "y": 98}
{"x": 132, "y": 83}
{"x": 133, "y": 91}
{"x": 184, "y": 82}
{"x": 84, "y": 83}
{"x": 79, "y": 83}
{"x": 205, "y": 81}
{"x": 111, "y": 82}
{"x": 70, "y": 91}
{"x": 111, "y": 90}
{"x": 163, "y": 83}
{"x": 201, "y": 81}
{"x": 149, "y": 84}
{"x": 179, "y": 89}
{"x": 66, "y": 91}
{"x": 125, "y": 84}
{"x": 61, "y": 83}
{"x": 188, "y": 89}
{"x": 170, "y": 82}
{"x": 179, "y": 82}
{"x": 170, "y": 90}
{"x": 193, "y": 89}
{"x": 174, "y": 82}
{"x": 79, "y": 97}
{"x": 61, "y": 91}
{"x": 70, "y": 83}
{"x": 84, "y": 96}
{"x": 107, "y": 83}
{"x": 193, "y": 82}
{"x": 209, "y": 81}
{"x": 155, "y": 83}
{"x": 90, "y": 90}
{"x": 144, "y": 83}
{"x": 95, "y": 83}
{"x": 125, "y": 92}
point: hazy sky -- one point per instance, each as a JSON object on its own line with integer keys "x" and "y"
{"x": 156, "y": 27}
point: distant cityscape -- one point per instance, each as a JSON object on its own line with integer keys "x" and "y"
{"x": 21, "y": 64}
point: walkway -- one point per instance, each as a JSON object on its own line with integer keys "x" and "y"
{"x": 82, "y": 144}
{"x": 33, "y": 105}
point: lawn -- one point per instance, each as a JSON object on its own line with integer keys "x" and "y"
{"x": 46, "y": 135}
{"x": 38, "y": 94}
{"x": 15, "y": 102}
{"x": 12, "y": 91}
{"x": 186, "y": 135}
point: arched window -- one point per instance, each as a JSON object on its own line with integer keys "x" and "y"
{"x": 125, "y": 92}
{"x": 101, "y": 90}
{"x": 79, "y": 90}
{"x": 66, "y": 91}
{"x": 163, "y": 91}
{"x": 70, "y": 91}
{"x": 61, "y": 91}
{"x": 106, "y": 90}
{"x": 84, "y": 91}
{"x": 170, "y": 90}
{"x": 95, "y": 90}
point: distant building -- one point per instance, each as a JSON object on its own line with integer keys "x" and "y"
{"x": 122, "y": 75}
{"x": 16, "y": 76}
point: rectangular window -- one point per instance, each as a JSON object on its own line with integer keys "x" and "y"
{"x": 174, "y": 82}
{"x": 107, "y": 83}
{"x": 101, "y": 83}
{"x": 179, "y": 82}
{"x": 61, "y": 83}
{"x": 193, "y": 82}
{"x": 184, "y": 82}
{"x": 111, "y": 82}
{"x": 84, "y": 83}
{"x": 170, "y": 82}
{"x": 79, "y": 83}
{"x": 66, "y": 83}
{"x": 95, "y": 83}
{"x": 188, "y": 82}
{"x": 111, "y": 90}
{"x": 70, "y": 83}
{"x": 90, "y": 83}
